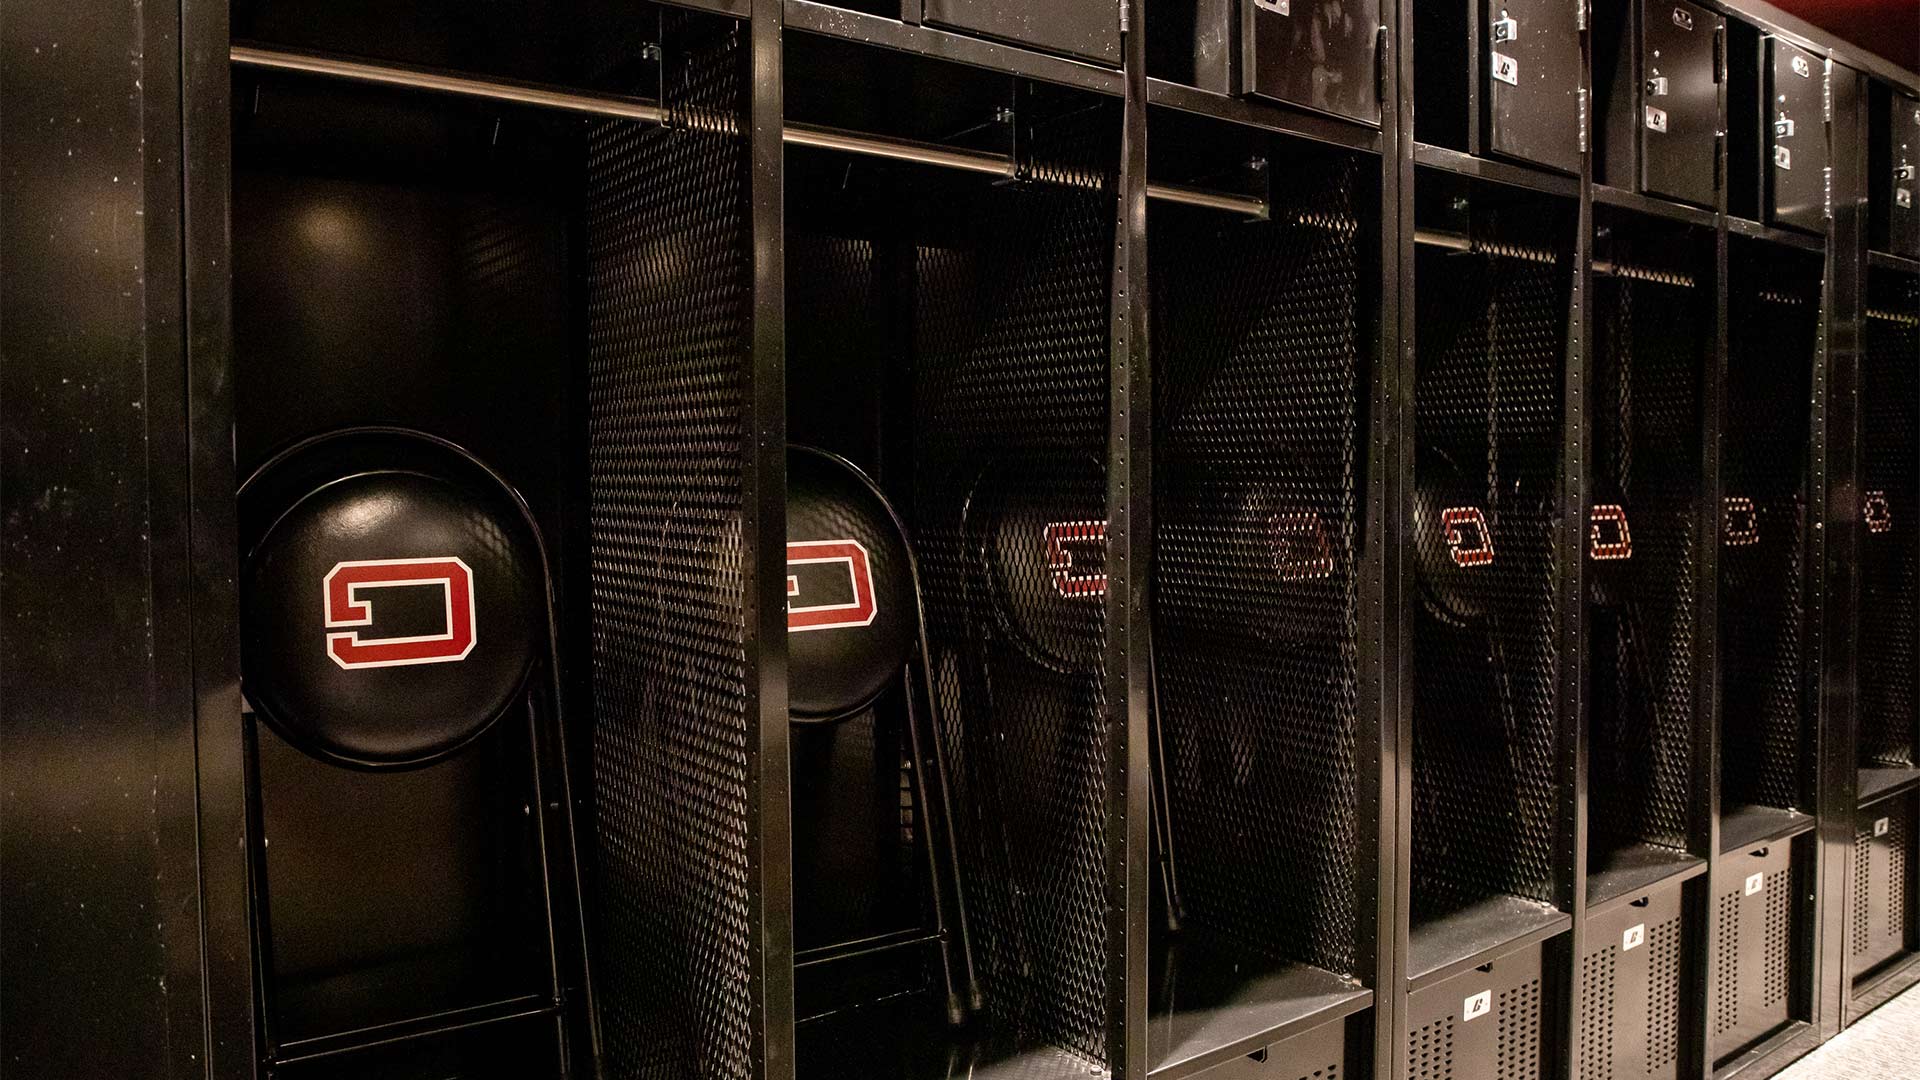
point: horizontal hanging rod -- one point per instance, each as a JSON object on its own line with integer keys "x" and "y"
{"x": 1464, "y": 243}
{"x": 639, "y": 109}
{"x": 1893, "y": 317}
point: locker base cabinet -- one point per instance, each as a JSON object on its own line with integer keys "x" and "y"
{"x": 1758, "y": 958}
{"x": 1632, "y": 983}
{"x": 1880, "y": 915}
{"x": 1487, "y": 1023}
{"x": 1320, "y": 1054}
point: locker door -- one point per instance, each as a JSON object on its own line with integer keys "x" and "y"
{"x": 1680, "y": 106}
{"x": 1531, "y": 79}
{"x": 1085, "y": 28}
{"x": 1796, "y": 137}
{"x": 1903, "y": 210}
{"x": 1323, "y": 54}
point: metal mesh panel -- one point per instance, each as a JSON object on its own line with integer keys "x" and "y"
{"x": 1517, "y": 1052}
{"x": 668, "y": 281}
{"x": 1764, "y": 708}
{"x": 1665, "y": 987}
{"x": 1890, "y": 543}
{"x": 1260, "y": 385}
{"x": 1009, "y": 504}
{"x": 1597, "y": 983}
{"x": 1652, "y": 339}
{"x": 1488, "y": 414}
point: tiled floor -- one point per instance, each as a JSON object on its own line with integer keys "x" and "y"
{"x": 1884, "y": 1046}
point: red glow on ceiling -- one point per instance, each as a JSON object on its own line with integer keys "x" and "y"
{"x": 1889, "y": 28}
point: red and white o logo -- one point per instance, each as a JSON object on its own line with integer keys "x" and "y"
{"x": 858, "y": 611}
{"x": 344, "y": 591}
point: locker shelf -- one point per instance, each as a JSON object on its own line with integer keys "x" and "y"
{"x": 837, "y": 22}
{"x": 1653, "y": 206}
{"x": 1214, "y": 1001}
{"x": 1881, "y": 260}
{"x": 1266, "y": 115}
{"x": 1746, "y": 826}
{"x": 1500, "y": 172}
{"x": 906, "y": 1039}
{"x": 1465, "y": 938}
{"x": 1637, "y": 868}
{"x": 1878, "y": 783}
{"x": 1757, "y": 231}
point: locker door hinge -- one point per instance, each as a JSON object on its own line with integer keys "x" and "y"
{"x": 1380, "y": 62}
{"x": 1579, "y": 17}
{"x": 1826, "y": 92}
{"x": 1720, "y": 52}
{"x": 1126, "y": 9}
{"x": 1826, "y": 198}
{"x": 1583, "y": 119}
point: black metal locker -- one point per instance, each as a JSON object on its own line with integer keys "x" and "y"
{"x": 1796, "y": 135}
{"x": 1754, "y": 967}
{"x": 1530, "y": 81}
{"x": 1880, "y": 923}
{"x": 1632, "y": 984}
{"x": 1679, "y": 117}
{"x": 1324, "y": 55}
{"x": 1490, "y": 1022}
{"x": 1903, "y": 175}
{"x": 1083, "y": 28}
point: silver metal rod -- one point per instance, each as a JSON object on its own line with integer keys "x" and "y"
{"x": 1462, "y": 242}
{"x": 596, "y": 104}
{"x": 626, "y": 108}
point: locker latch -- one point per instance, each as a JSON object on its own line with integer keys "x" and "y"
{"x": 1782, "y": 158}
{"x": 1783, "y": 128}
{"x": 1505, "y": 28}
{"x": 1903, "y": 172}
{"x": 1278, "y": 7}
{"x": 1657, "y": 86}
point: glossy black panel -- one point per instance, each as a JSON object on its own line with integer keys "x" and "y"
{"x": 1679, "y": 117}
{"x": 1797, "y": 155}
{"x": 1531, "y": 80}
{"x": 1084, "y": 28}
{"x": 1323, "y": 54}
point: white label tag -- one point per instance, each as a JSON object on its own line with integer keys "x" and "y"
{"x": 1802, "y": 68}
{"x": 1278, "y": 7}
{"x": 1756, "y": 883}
{"x": 1656, "y": 120}
{"x": 1682, "y": 19}
{"x": 1782, "y": 158}
{"x": 1634, "y": 937}
{"x": 1881, "y": 825}
{"x": 1476, "y": 1006}
{"x": 1505, "y": 29}
{"x": 1506, "y": 69}
{"x": 1903, "y": 198}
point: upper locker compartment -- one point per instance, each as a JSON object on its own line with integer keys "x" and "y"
{"x": 1322, "y": 55}
{"x": 1501, "y": 78}
{"x": 1795, "y": 124}
{"x": 1089, "y": 29}
{"x": 1894, "y": 182}
{"x": 1657, "y": 73}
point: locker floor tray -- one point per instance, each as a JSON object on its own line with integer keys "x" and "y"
{"x": 1214, "y": 1002}
{"x": 1637, "y": 868}
{"x": 1745, "y": 826}
{"x": 1475, "y": 934}
{"x": 907, "y": 1038}
{"x": 1878, "y": 783}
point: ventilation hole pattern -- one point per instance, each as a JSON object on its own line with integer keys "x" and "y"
{"x": 1430, "y": 1051}
{"x": 1663, "y": 999}
{"x": 1596, "y": 1014}
{"x": 1861, "y": 923}
{"x": 1896, "y": 927}
{"x": 1518, "y": 1053}
{"x": 1726, "y": 966}
{"x": 1779, "y": 957}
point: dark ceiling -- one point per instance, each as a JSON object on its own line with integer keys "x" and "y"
{"x": 1890, "y": 28}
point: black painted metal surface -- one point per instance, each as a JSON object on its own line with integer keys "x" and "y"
{"x": 1679, "y": 115}
{"x": 1795, "y": 123}
{"x": 1531, "y": 73}
{"x": 1759, "y": 926}
{"x": 1084, "y": 28}
{"x": 1634, "y": 1014}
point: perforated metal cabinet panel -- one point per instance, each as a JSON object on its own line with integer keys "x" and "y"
{"x": 1880, "y": 922}
{"x": 1320, "y": 1054}
{"x": 1323, "y": 54}
{"x": 1754, "y": 965}
{"x": 1889, "y": 627}
{"x": 1483, "y": 1024}
{"x": 1679, "y": 117}
{"x": 1765, "y": 707}
{"x": 1260, "y": 384}
{"x": 1796, "y": 137}
{"x": 1630, "y": 990}
{"x": 1903, "y": 153}
{"x": 1530, "y": 83}
{"x": 1084, "y": 28}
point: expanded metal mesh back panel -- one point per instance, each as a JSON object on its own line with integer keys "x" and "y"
{"x": 1488, "y": 418}
{"x": 1009, "y": 504}
{"x": 1260, "y": 387}
{"x": 1764, "y": 705}
{"x": 1653, "y": 339}
{"x": 668, "y": 278}
{"x": 1890, "y": 541}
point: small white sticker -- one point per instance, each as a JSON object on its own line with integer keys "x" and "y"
{"x": 1278, "y": 7}
{"x": 1476, "y": 1006}
{"x": 1903, "y": 198}
{"x": 1656, "y": 120}
{"x": 1682, "y": 19}
{"x": 1755, "y": 883}
{"x": 1634, "y": 937}
{"x": 1881, "y": 825}
{"x": 1506, "y": 69}
{"x": 1802, "y": 68}
{"x": 1782, "y": 158}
